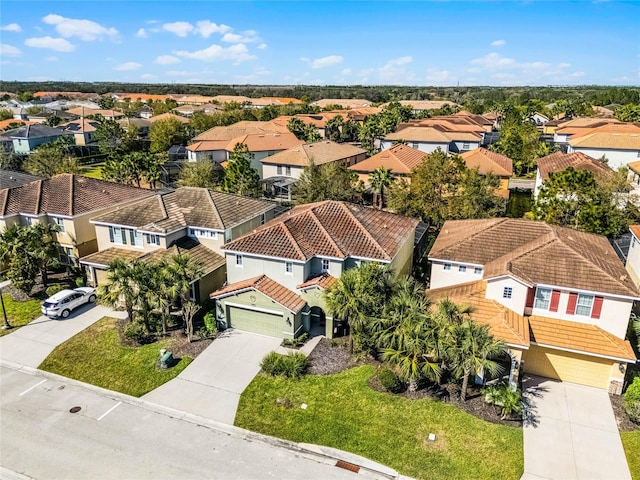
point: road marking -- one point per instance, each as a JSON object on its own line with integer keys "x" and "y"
{"x": 31, "y": 388}
{"x": 109, "y": 411}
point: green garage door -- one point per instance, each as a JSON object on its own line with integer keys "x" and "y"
{"x": 256, "y": 322}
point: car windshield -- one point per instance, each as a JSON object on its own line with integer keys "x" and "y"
{"x": 50, "y": 304}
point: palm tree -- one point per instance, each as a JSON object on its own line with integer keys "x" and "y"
{"x": 182, "y": 271}
{"x": 471, "y": 351}
{"x": 44, "y": 247}
{"x": 380, "y": 179}
{"x": 446, "y": 318}
{"x": 121, "y": 286}
{"x": 167, "y": 292}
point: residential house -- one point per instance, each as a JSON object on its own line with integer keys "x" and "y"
{"x": 276, "y": 101}
{"x": 618, "y": 143}
{"x": 345, "y": 103}
{"x": 633, "y": 257}
{"x": 262, "y": 146}
{"x": 188, "y": 110}
{"x": 140, "y": 123}
{"x": 429, "y": 139}
{"x": 317, "y": 120}
{"x": 194, "y": 100}
{"x": 24, "y": 140}
{"x": 9, "y": 179}
{"x": 276, "y": 274}
{"x": 488, "y": 162}
{"x": 83, "y": 130}
{"x": 222, "y": 99}
{"x": 188, "y": 220}
{"x": 68, "y": 201}
{"x": 168, "y": 116}
{"x": 538, "y": 119}
{"x": 419, "y": 106}
{"x": 559, "y": 298}
{"x": 106, "y": 114}
{"x": 559, "y": 162}
{"x": 143, "y": 97}
{"x": 400, "y": 159}
{"x": 576, "y": 127}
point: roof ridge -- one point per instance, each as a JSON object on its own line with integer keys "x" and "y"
{"x": 324, "y": 230}
{"x": 39, "y": 196}
{"x": 215, "y": 207}
{"x": 498, "y": 221}
{"x": 71, "y": 193}
{"x": 610, "y": 338}
{"x": 504, "y": 312}
{"x": 291, "y": 238}
{"x": 361, "y": 227}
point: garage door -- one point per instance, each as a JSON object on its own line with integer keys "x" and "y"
{"x": 567, "y": 366}
{"x": 256, "y": 322}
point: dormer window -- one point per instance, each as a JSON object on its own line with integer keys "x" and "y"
{"x": 288, "y": 268}
{"x": 239, "y": 261}
{"x": 325, "y": 265}
{"x": 60, "y": 223}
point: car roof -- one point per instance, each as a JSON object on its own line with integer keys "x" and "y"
{"x": 60, "y": 295}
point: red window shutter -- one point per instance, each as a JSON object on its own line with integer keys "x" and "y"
{"x": 555, "y": 300}
{"x": 597, "y": 307}
{"x": 571, "y": 306}
{"x": 531, "y": 293}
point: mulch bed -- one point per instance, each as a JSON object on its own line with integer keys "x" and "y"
{"x": 331, "y": 356}
{"x": 624, "y": 424}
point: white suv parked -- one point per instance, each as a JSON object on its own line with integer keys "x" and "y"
{"x": 62, "y": 303}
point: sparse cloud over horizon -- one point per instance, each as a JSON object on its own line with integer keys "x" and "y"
{"x": 57, "y": 44}
{"x": 126, "y": 66}
{"x": 12, "y": 27}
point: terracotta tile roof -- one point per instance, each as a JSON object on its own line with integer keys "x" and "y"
{"x": 81, "y": 125}
{"x": 431, "y": 135}
{"x": 558, "y": 162}
{"x": 265, "y": 101}
{"x": 617, "y": 137}
{"x": 343, "y": 102}
{"x": 240, "y": 128}
{"x": 635, "y": 229}
{"x": 265, "y": 142}
{"x": 145, "y": 97}
{"x": 587, "y": 122}
{"x": 209, "y": 259}
{"x": 487, "y": 161}
{"x": 272, "y": 289}
{"x": 323, "y": 280}
{"x": 536, "y": 253}
{"x": 5, "y": 123}
{"x": 208, "y": 146}
{"x": 66, "y": 194}
{"x": 425, "y": 104}
{"x": 503, "y": 323}
{"x": 187, "y": 206}
{"x": 634, "y": 166}
{"x": 84, "y": 111}
{"x": 329, "y": 228}
{"x": 193, "y": 99}
{"x": 582, "y": 337}
{"x": 55, "y": 94}
{"x": 320, "y": 152}
{"x": 167, "y": 116}
{"x": 400, "y": 159}
{"x": 230, "y": 98}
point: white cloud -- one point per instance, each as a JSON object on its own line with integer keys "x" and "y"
{"x": 262, "y": 46}
{"x": 12, "y": 27}
{"x": 166, "y": 60}
{"x": 142, "y": 33}
{"x": 327, "y": 61}
{"x": 206, "y": 28}
{"x": 498, "y": 43}
{"x": 51, "y": 58}
{"x": 123, "y": 67}
{"x": 181, "y": 29}
{"x": 494, "y": 61}
{"x": 236, "y": 38}
{"x": 57, "y": 44}
{"x": 438, "y": 77}
{"x": 148, "y": 76}
{"x": 237, "y": 53}
{"x": 9, "y": 50}
{"x": 346, "y": 71}
{"x": 179, "y": 73}
{"x": 257, "y": 74}
{"x": 394, "y": 70}
{"x": 85, "y": 30}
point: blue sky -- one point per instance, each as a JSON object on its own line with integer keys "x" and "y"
{"x": 336, "y": 43}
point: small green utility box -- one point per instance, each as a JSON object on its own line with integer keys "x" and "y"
{"x": 166, "y": 360}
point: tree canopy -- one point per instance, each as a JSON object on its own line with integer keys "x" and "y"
{"x": 203, "y": 173}
{"x": 165, "y": 133}
{"x": 331, "y": 181}
{"x": 239, "y": 176}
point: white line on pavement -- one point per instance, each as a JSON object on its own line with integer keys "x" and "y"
{"x": 31, "y": 388}
{"x": 109, "y": 411}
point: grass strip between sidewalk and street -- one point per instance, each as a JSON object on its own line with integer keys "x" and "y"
{"x": 19, "y": 313}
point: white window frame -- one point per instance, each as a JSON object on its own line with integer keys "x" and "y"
{"x": 287, "y": 171}
{"x": 278, "y": 169}
{"x": 60, "y": 223}
{"x": 135, "y": 237}
{"x": 539, "y": 300}
{"x": 152, "y": 239}
{"x": 118, "y": 234}
{"x": 588, "y": 301}
{"x": 202, "y": 233}
{"x": 447, "y": 267}
{"x": 466, "y": 146}
{"x": 239, "y": 261}
{"x": 28, "y": 221}
{"x": 325, "y": 265}
{"x": 507, "y": 293}
{"x": 462, "y": 269}
{"x": 415, "y": 145}
{"x": 477, "y": 270}
{"x": 288, "y": 268}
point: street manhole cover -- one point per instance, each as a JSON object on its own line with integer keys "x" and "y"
{"x": 75, "y": 409}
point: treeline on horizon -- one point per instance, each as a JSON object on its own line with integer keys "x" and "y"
{"x": 593, "y": 94}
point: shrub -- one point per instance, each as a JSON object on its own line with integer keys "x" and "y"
{"x": 53, "y": 289}
{"x": 508, "y": 398}
{"x": 632, "y": 400}
{"x": 390, "y": 381}
{"x": 210, "y": 323}
{"x": 135, "y": 331}
{"x": 80, "y": 282}
{"x": 293, "y": 365}
{"x": 295, "y": 342}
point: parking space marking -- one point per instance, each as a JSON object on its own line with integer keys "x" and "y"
{"x": 31, "y": 388}
{"x": 109, "y": 411}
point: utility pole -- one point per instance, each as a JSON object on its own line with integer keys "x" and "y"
{"x": 6, "y": 325}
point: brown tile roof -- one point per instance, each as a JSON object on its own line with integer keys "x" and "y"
{"x": 635, "y": 229}
{"x": 558, "y": 162}
{"x": 617, "y": 137}
{"x": 230, "y": 98}
{"x": 324, "y": 280}
{"x": 66, "y": 194}
{"x": 193, "y": 99}
{"x": 331, "y": 229}
{"x": 167, "y": 116}
{"x": 503, "y": 323}
{"x": 81, "y": 125}
{"x": 187, "y": 206}
{"x": 272, "y": 289}
{"x": 265, "y": 101}
{"x": 208, "y": 146}
{"x": 431, "y": 135}
{"x": 487, "y": 161}
{"x": 535, "y": 253}
{"x": 144, "y": 97}
{"x": 343, "y": 102}
{"x": 400, "y": 159}
{"x": 425, "y": 104}
{"x": 240, "y": 128}
{"x": 579, "y": 336}
{"x": 320, "y": 152}
{"x": 209, "y": 259}
{"x": 265, "y": 142}
{"x": 84, "y": 111}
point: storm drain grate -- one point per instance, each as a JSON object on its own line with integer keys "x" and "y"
{"x": 75, "y": 409}
{"x": 348, "y": 466}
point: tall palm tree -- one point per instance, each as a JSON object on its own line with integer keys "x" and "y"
{"x": 447, "y": 317}
{"x": 167, "y": 292}
{"x": 380, "y": 179}
{"x": 182, "y": 271}
{"x": 472, "y": 351}
{"x": 44, "y": 247}
{"x": 121, "y": 286}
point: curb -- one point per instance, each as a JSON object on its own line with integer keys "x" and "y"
{"x": 318, "y": 453}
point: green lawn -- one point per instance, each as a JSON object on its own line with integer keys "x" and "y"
{"x": 344, "y": 412}
{"x": 93, "y": 171}
{"x": 19, "y": 313}
{"x": 96, "y": 356}
{"x": 631, "y": 443}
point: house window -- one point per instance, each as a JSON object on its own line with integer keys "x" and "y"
{"x": 325, "y": 265}
{"x": 507, "y": 292}
{"x": 200, "y": 233}
{"x": 192, "y": 292}
{"x": 262, "y": 219}
{"x": 135, "y": 237}
{"x": 60, "y": 223}
{"x": 477, "y": 270}
{"x": 117, "y": 235}
{"x": 239, "y": 261}
{"x": 28, "y": 221}
{"x": 152, "y": 239}
{"x": 584, "y": 305}
{"x": 446, "y": 267}
{"x": 466, "y": 146}
{"x": 288, "y": 171}
{"x": 462, "y": 269}
{"x": 279, "y": 169}
{"x": 543, "y": 298}
{"x": 288, "y": 268}
{"x": 66, "y": 255}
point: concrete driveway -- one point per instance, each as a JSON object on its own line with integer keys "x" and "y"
{"x": 571, "y": 433}
{"x": 211, "y": 385}
{"x": 31, "y": 344}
